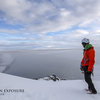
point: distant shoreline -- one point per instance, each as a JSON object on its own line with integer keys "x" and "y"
{"x": 19, "y": 51}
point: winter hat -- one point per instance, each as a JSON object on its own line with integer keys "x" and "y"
{"x": 85, "y": 40}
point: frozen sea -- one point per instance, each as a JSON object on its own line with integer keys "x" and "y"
{"x": 65, "y": 63}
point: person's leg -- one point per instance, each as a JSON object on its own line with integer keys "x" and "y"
{"x": 89, "y": 82}
{"x": 85, "y": 77}
{"x": 89, "y": 88}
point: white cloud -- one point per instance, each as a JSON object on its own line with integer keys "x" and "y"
{"x": 51, "y": 16}
{"x": 85, "y": 23}
{"x": 64, "y": 40}
{"x": 14, "y": 10}
{"x": 11, "y": 31}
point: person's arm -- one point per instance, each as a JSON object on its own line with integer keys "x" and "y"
{"x": 82, "y": 61}
{"x": 91, "y": 60}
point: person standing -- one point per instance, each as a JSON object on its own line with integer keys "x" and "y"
{"x": 87, "y": 64}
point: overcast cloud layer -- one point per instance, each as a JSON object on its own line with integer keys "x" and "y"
{"x": 48, "y": 23}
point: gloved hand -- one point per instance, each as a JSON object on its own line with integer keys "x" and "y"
{"x": 81, "y": 68}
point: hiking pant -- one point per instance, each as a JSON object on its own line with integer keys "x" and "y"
{"x": 87, "y": 76}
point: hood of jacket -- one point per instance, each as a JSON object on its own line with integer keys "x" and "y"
{"x": 88, "y": 46}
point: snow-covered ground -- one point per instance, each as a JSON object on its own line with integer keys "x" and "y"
{"x": 45, "y": 90}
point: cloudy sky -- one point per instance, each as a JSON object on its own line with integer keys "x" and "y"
{"x": 31, "y": 24}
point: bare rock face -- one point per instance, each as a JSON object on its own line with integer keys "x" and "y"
{"x": 51, "y": 77}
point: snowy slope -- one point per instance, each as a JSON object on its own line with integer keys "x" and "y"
{"x": 45, "y": 90}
